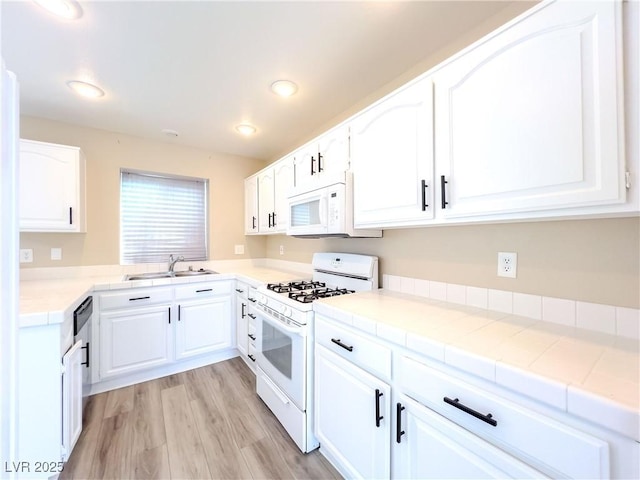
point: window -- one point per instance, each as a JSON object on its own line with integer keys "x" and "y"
{"x": 162, "y": 215}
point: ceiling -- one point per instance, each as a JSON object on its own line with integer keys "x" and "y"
{"x": 200, "y": 68}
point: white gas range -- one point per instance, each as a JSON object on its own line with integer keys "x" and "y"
{"x": 284, "y": 330}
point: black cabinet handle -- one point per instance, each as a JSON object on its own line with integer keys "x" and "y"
{"x": 253, "y": 359}
{"x": 378, "y": 416}
{"x": 252, "y": 336}
{"x": 320, "y": 162}
{"x": 488, "y": 418}
{"x": 273, "y": 217}
{"x": 252, "y": 300}
{"x": 253, "y": 223}
{"x": 313, "y": 160}
{"x": 252, "y": 315}
{"x": 443, "y": 193}
{"x": 269, "y": 220}
{"x": 70, "y": 215}
{"x": 338, "y": 342}
{"x": 169, "y": 315}
{"x": 424, "y": 195}
{"x": 204, "y": 290}
{"x": 399, "y": 431}
{"x": 139, "y": 298}
{"x": 242, "y": 312}
{"x": 179, "y": 313}
{"x": 86, "y": 362}
{"x": 239, "y": 290}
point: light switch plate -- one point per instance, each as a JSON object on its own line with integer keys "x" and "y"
{"x": 56, "y": 254}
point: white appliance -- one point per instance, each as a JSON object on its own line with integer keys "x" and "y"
{"x": 284, "y": 336}
{"x": 325, "y": 210}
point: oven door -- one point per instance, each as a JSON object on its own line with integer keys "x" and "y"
{"x": 282, "y": 355}
{"x": 308, "y": 213}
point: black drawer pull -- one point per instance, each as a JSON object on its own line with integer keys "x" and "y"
{"x": 443, "y": 193}
{"x": 70, "y": 215}
{"x": 488, "y": 418}
{"x": 139, "y": 298}
{"x": 252, "y": 336}
{"x": 252, "y": 300}
{"x": 252, "y": 315}
{"x": 338, "y": 342}
{"x": 87, "y": 361}
{"x": 253, "y": 359}
{"x": 424, "y": 195}
{"x": 399, "y": 431}
{"x": 239, "y": 290}
{"x": 378, "y": 416}
{"x": 243, "y": 314}
{"x": 204, "y": 290}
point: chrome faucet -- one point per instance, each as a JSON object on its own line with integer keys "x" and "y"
{"x": 173, "y": 260}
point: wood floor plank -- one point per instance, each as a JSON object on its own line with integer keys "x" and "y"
{"x": 265, "y": 461}
{"x": 186, "y": 455}
{"x": 147, "y": 417}
{"x": 223, "y": 455}
{"x": 112, "y": 459}
{"x": 119, "y": 401}
{"x": 152, "y": 463}
{"x": 79, "y": 464}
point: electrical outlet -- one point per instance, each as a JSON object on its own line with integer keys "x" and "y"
{"x": 507, "y": 264}
{"x": 26, "y": 255}
{"x": 239, "y": 250}
{"x": 56, "y": 254}
{"x": 281, "y": 249}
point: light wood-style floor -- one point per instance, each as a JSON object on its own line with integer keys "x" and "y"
{"x": 204, "y": 423}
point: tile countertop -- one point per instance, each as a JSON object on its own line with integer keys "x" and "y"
{"x": 575, "y": 370}
{"x": 47, "y": 301}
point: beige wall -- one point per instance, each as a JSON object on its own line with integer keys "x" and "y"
{"x": 106, "y": 153}
{"x": 590, "y": 260}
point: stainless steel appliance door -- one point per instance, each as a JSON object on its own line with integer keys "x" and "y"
{"x": 282, "y": 355}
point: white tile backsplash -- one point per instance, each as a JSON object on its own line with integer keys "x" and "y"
{"x": 621, "y": 321}
{"x": 594, "y": 316}
{"x": 559, "y": 310}
{"x": 527, "y": 305}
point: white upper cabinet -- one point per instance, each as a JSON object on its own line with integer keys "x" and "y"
{"x": 274, "y": 185}
{"x": 251, "y": 205}
{"x": 52, "y": 187}
{"x": 392, "y": 159}
{"x": 531, "y": 119}
{"x": 326, "y": 154}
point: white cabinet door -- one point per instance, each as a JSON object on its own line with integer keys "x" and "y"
{"x": 251, "y": 205}
{"x": 135, "y": 339}
{"x": 531, "y": 120}
{"x": 242, "y": 321}
{"x": 203, "y": 326}
{"x": 427, "y": 445}
{"x": 352, "y": 416}
{"x": 392, "y": 159}
{"x": 322, "y": 156}
{"x": 71, "y": 398}
{"x": 51, "y": 187}
{"x": 266, "y": 201}
{"x": 283, "y": 175}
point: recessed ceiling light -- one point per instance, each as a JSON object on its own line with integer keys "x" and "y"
{"x": 284, "y": 88}
{"x": 246, "y": 129}
{"x": 85, "y": 89}
{"x": 68, "y": 9}
{"x": 169, "y": 133}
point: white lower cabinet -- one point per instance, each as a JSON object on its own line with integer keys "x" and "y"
{"x": 242, "y": 321}
{"x": 134, "y": 339}
{"x": 422, "y": 420}
{"x": 427, "y": 445}
{"x": 203, "y": 324}
{"x": 353, "y": 420}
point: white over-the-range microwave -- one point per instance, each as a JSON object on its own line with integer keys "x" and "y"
{"x": 325, "y": 209}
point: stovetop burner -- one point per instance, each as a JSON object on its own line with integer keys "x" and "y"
{"x": 308, "y": 296}
{"x": 294, "y": 286}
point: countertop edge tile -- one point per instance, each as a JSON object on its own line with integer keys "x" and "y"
{"x": 478, "y": 365}
{"x": 535, "y": 386}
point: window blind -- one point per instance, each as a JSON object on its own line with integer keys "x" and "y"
{"x": 162, "y": 215}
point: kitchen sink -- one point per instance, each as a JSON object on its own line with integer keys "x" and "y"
{"x": 155, "y": 275}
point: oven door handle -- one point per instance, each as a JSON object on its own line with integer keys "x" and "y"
{"x": 282, "y": 326}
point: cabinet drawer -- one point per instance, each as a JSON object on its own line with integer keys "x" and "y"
{"x": 135, "y": 298}
{"x": 252, "y": 352}
{"x": 203, "y": 289}
{"x": 367, "y": 354}
{"x": 540, "y": 441}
